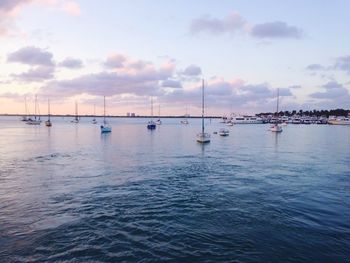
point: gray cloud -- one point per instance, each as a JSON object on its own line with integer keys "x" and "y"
{"x": 332, "y": 90}
{"x": 115, "y": 61}
{"x": 295, "y": 87}
{"x": 71, "y": 63}
{"x": 31, "y": 56}
{"x": 9, "y": 5}
{"x": 340, "y": 63}
{"x": 136, "y": 78}
{"x": 315, "y": 67}
{"x": 235, "y": 23}
{"x": 230, "y": 24}
{"x": 223, "y": 94}
{"x": 343, "y": 63}
{"x": 170, "y": 83}
{"x": 36, "y": 74}
{"x": 192, "y": 70}
{"x": 276, "y": 29}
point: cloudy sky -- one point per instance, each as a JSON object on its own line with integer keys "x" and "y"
{"x": 131, "y": 50}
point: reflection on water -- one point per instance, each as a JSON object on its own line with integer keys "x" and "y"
{"x": 136, "y": 195}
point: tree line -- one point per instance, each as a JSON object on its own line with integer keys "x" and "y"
{"x": 316, "y": 113}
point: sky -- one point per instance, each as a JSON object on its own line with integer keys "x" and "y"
{"x": 129, "y": 51}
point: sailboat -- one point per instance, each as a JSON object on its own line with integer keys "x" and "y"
{"x": 275, "y": 127}
{"x": 185, "y": 121}
{"x": 94, "y": 121}
{"x": 25, "y": 117}
{"x": 105, "y": 127}
{"x": 48, "y": 122}
{"x": 158, "y": 122}
{"x": 76, "y": 118}
{"x": 203, "y": 137}
{"x": 151, "y": 125}
{"x": 36, "y": 120}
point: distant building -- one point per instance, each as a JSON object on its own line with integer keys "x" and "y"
{"x": 132, "y": 114}
{"x": 128, "y": 114}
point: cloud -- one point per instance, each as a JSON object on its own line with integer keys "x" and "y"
{"x": 276, "y": 29}
{"x": 170, "y": 83}
{"x": 130, "y": 77}
{"x": 11, "y": 96}
{"x": 332, "y": 90}
{"x": 115, "y": 61}
{"x": 343, "y": 64}
{"x": 103, "y": 83}
{"x": 315, "y": 67}
{"x": 230, "y": 24}
{"x": 72, "y": 8}
{"x": 36, "y": 74}
{"x": 71, "y": 63}
{"x": 234, "y": 23}
{"x": 192, "y": 70}
{"x": 8, "y": 6}
{"x": 10, "y": 9}
{"x": 31, "y": 56}
{"x": 295, "y": 87}
{"x": 223, "y": 94}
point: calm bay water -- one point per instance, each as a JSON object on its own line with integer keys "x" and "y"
{"x": 68, "y": 193}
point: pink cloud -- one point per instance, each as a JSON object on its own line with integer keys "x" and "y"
{"x": 72, "y": 8}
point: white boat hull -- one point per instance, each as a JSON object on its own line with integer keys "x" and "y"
{"x": 276, "y": 128}
{"x": 203, "y": 137}
{"x": 246, "y": 120}
{"x": 339, "y": 122}
{"x": 224, "y": 133}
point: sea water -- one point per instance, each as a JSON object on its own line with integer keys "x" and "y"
{"x": 70, "y": 193}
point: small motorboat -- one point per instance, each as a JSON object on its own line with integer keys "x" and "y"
{"x": 224, "y": 132}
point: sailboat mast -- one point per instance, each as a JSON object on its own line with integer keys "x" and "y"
{"x": 152, "y": 108}
{"x": 25, "y": 105}
{"x": 278, "y": 93}
{"x": 35, "y": 101}
{"x": 104, "y": 109}
{"x": 202, "y": 105}
{"x": 48, "y": 106}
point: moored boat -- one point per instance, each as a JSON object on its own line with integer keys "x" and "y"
{"x": 151, "y": 125}
{"x": 246, "y": 119}
{"x": 105, "y": 127}
{"x": 203, "y": 137}
{"x": 339, "y": 121}
{"x": 276, "y": 127}
{"x": 224, "y": 132}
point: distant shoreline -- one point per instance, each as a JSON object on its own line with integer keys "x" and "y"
{"x": 111, "y": 116}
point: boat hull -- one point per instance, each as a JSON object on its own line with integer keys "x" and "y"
{"x": 276, "y": 128}
{"x": 33, "y": 122}
{"x": 105, "y": 129}
{"x": 203, "y": 138}
{"x": 339, "y": 122}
